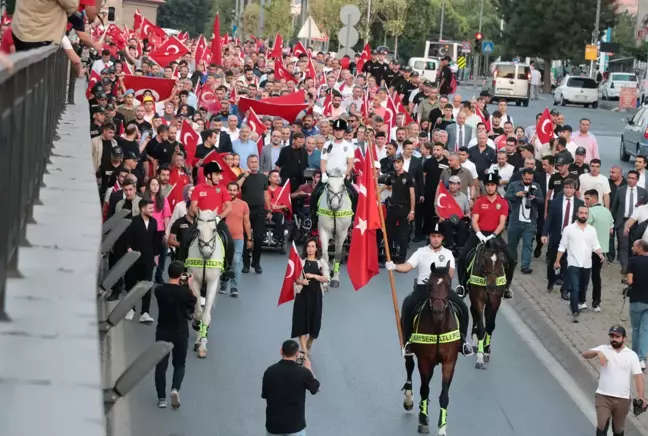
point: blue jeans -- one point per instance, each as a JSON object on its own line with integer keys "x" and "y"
{"x": 525, "y": 231}
{"x": 299, "y": 433}
{"x": 237, "y": 262}
{"x": 159, "y": 269}
{"x": 639, "y": 321}
{"x": 578, "y": 283}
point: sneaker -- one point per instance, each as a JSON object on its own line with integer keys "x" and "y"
{"x": 508, "y": 294}
{"x": 175, "y": 399}
{"x": 162, "y": 403}
{"x": 222, "y": 290}
{"x": 145, "y": 318}
{"x": 642, "y": 363}
{"x": 234, "y": 293}
{"x": 467, "y": 349}
{"x": 596, "y": 308}
{"x": 258, "y": 269}
{"x": 130, "y": 315}
{"x": 461, "y": 291}
{"x": 582, "y": 306}
{"x": 245, "y": 269}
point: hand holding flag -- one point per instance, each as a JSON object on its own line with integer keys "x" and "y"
{"x": 294, "y": 271}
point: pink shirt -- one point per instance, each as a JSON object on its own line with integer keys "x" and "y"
{"x": 161, "y": 215}
{"x": 588, "y": 142}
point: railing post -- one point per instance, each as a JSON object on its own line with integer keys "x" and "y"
{"x": 71, "y": 82}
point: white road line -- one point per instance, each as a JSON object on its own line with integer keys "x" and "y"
{"x": 609, "y": 134}
{"x": 584, "y": 401}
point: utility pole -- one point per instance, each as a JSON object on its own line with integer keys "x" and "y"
{"x": 261, "y": 17}
{"x": 596, "y": 33}
{"x": 368, "y": 19}
{"x": 442, "y": 17}
{"x": 478, "y": 56}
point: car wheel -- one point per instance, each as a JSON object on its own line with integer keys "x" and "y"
{"x": 525, "y": 103}
{"x": 518, "y": 103}
{"x": 586, "y": 106}
{"x": 563, "y": 102}
{"x": 623, "y": 154}
{"x": 595, "y": 105}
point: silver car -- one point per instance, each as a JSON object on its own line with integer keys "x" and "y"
{"x": 634, "y": 139}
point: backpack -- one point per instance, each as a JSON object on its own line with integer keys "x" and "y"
{"x": 453, "y": 84}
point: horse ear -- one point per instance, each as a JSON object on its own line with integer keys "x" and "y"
{"x": 432, "y": 266}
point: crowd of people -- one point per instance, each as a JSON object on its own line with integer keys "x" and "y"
{"x": 433, "y": 149}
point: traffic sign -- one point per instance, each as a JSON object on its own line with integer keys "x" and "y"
{"x": 465, "y": 47}
{"x": 348, "y": 36}
{"x": 350, "y": 15}
{"x": 641, "y": 34}
{"x": 591, "y": 52}
{"x": 461, "y": 62}
{"x": 488, "y": 47}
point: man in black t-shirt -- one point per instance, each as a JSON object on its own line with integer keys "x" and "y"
{"x": 180, "y": 235}
{"x": 579, "y": 167}
{"x": 445, "y": 76}
{"x": 254, "y": 185}
{"x": 176, "y": 304}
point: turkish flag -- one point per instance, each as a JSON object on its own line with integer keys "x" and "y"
{"x": 161, "y": 88}
{"x": 446, "y": 203}
{"x": 216, "y": 45}
{"x": 215, "y": 156}
{"x": 137, "y": 20}
{"x": 294, "y": 271}
{"x": 258, "y": 127}
{"x": 283, "y": 198}
{"x": 281, "y": 72}
{"x": 207, "y": 99}
{"x": 277, "y": 48}
{"x": 545, "y": 127}
{"x": 327, "y": 105}
{"x": 170, "y": 51}
{"x": 363, "y": 252}
{"x": 287, "y": 112}
{"x": 178, "y": 180}
{"x": 189, "y": 138}
{"x": 358, "y": 162}
{"x": 484, "y": 120}
{"x": 364, "y": 57}
{"x": 400, "y": 108}
{"x": 299, "y": 50}
{"x": 201, "y": 48}
{"x": 92, "y": 81}
{"x": 310, "y": 71}
{"x": 148, "y": 28}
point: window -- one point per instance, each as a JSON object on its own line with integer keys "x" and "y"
{"x": 581, "y": 83}
{"x": 524, "y": 73}
{"x": 505, "y": 72}
{"x": 617, "y": 77}
{"x": 423, "y": 65}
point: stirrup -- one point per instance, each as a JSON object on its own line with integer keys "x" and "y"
{"x": 406, "y": 350}
{"x": 467, "y": 349}
{"x": 508, "y": 294}
{"x": 460, "y": 291}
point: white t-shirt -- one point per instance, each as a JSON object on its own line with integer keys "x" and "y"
{"x": 640, "y": 215}
{"x": 536, "y": 77}
{"x": 424, "y": 257}
{"x": 614, "y": 379}
{"x": 470, "y": 166}
{"x": 505, "y": 173}
{"x": 337, "y": 158}
{"x": 600, "y": 183}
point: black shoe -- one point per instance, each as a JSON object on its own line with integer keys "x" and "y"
{"x": 234, "y": 293}
{"x": 508, "y": 294}
{"x": 245, "y": 269}
{"x": 114, "y": 296}
{"x": 527, "y": 270}
{"x": 564, "y": 295}
{"x": 550, "y": 287}
{"x": 538, "y": 251}
{"x": 559, "y": 282}
{"x": 575, "y": 317}
{"x": 461, "y": 291}
{"x": 228, "y": 275}
{"x": 258, "y": 270}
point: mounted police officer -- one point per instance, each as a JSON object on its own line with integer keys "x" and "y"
{"x": 213, "y": 196}
{"x": 423, "y": 258}
{"x": 337, "y": 157}
{"x": 488, "y": 222}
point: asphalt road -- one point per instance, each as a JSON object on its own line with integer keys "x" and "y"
{"x": 358, "y": 359}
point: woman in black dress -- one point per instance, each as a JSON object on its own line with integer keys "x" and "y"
{"x": 307, "y": 309}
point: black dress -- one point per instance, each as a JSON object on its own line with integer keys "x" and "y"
{"x": 307, "y": 309}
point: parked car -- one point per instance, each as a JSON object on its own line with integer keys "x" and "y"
{"x": 634, "y": 139}
{"x": 576, "y": 90}
{"x": 510, "y": 81}
{"x": 611, "y": 87}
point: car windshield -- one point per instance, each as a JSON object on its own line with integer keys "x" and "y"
{"x": 581, "y": 82}
{"x": 505, "y": 72}
{"x": 624, "y": 77}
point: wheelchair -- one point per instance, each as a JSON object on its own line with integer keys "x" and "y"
{"x": 274, "y": 242}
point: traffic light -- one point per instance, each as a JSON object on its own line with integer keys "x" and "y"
{"x": 478, "y": 41}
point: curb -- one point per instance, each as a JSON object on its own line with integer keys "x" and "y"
{"x": 583, "y": 371}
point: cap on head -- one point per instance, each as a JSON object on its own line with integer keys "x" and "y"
{"x": 130, "y": 155}
{"x": 340, "y": 124}
{"x": 454, "y": 179}
{"x": 580, "y": 151}
{"x": 212, "y": 167}
{"x": 492, "y": 178}
{"x": 560, "y": 161}
{"x": 436, "y": 229}
{"x": 617, "y": 330}
{"x": 148, "y": 98}
{"x": 117, "y": 153}
{"x": 399, "y": 157}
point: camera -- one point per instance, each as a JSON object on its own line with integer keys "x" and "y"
{"x": 530, "y": 192}
{"x": 184, "y": 279}
{"x": 387, "y": 179}
{"x": 638, "y": 407}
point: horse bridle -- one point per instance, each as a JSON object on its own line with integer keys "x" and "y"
{"x": 211, "y": 244}
{"x": 334, "y": 195}
{"x": 431, "y": 300}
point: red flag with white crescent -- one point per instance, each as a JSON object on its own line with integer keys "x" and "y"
{"x": 258, "y": 127}
{"x": 446, "y": 203}
{"x": 92, "y": 81}
{"x": 170, "y": 51}
{"x": 137, "y": 20}
{"x": 147, "y": 28}
{"x": 216, "y": 45}
{"x": 161, "y": 88}
{"x": 277, "y": 48}
{"x": 484, "y": 120}
{"x": 178, "y": 179}
{"x": 327, "y": 105}
{"x": 299, "y": 50}
{"x": 294, "y": 271}
{"x": 545, "y": 127}
{"x": 358, "y": 161}
{"x": 189, "y": 138}
{"x": 400, "y": 108}
{"x": 281, "y": 72}
{"x": 364, "y": 57}
{"x": 283, "y": 197}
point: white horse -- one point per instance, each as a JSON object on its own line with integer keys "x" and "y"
{"x": 335, "y": 218}
{"x": 205, "y": 263}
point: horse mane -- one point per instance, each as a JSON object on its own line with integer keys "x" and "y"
{"x": 206, "y": 214}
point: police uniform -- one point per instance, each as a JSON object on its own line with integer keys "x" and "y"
{"x": 335, "y": 154}
{"x": 398, "y": 210}
{"x": 423, "y": 258}
{"x": 489, "y": 213}
{"x": 213, "y": 198}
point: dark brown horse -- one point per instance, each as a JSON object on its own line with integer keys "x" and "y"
{"x": 486, "y": 285}
{"x": 435, "y": 341}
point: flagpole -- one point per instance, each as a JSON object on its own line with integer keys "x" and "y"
{"x": 392, "y": 282}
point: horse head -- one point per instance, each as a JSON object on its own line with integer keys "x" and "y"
{"x": 438, "y": 289}
{"x": 207, "y": 234}
{"x": 492, "y": 265}
{"x": 335, "y": 190}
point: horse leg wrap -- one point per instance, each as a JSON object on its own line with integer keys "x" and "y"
{"x": 423, "y": 407}
{"x": 336, "y": 267}
{"x": 204, "y": 329}
{"x": 487, "y": 340}
{"x": 480, "y": 346}
{"x": 443, "y": 417}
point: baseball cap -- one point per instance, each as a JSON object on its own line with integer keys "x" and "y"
{"x": 130, "y": 155}
{"x": 110, "y": 107}
{"x": 101, "y": 95}
{"x": 581, "y": 151}
{"x": 617, "y": 330}
{"x": 561, "y": 161}
{"x": 117, "y": 153}
{"x": 148, "y": 98}
{"x": 129, "y": 92}
{"x": 454, "y": 179}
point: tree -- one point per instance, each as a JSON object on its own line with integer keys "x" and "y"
{"x": 227, "y": 9}
{"x": 326, "y": 14}
{"x": 185, "y": 15}
{"x": 250, "y": 19}
{"x": 392, "y": 15}
{"x": 278, "y": 19}
{"x": 561, "y": 37}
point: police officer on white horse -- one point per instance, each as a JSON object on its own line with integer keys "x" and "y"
{"x": 423, "y": 258}
{"x": 337, "y": 156}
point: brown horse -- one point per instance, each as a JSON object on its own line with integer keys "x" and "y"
{"x": 435, "y": 341}
{"x": 486, "y": 285}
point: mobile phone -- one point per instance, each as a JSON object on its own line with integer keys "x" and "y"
{"x": 300, "y": 358}
{"x": 145, "y": 136}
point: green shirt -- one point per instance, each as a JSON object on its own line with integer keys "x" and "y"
{"x": 601, "y": 219}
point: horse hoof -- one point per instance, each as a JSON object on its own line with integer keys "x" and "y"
{"x": 335, "y": 284}
{"x": 196, "y": 347}
{"x": 486, "y": 358}
{"x": 442, "y": 431}
{"x": 480, "y": 365}
{"x": 202, "y": 353}
{"x": 408, "y": 402}
{"x": 424, "y": 429}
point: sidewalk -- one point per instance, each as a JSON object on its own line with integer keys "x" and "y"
{"x": 548, "y": 315}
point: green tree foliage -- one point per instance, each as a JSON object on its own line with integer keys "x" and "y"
{"x": 552, "y": 29}
{"x": 185, "y": 15}
{"x": 250, "y": 19}
{"x": 278, "y": 19}
{"x": 326, "y": 14}
{"x": 227, "y": 9}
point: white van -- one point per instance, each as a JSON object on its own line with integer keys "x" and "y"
{"x": 426, "y": 67}
{"x": 510, "y": 81}
{"x": 611, "y": 88}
